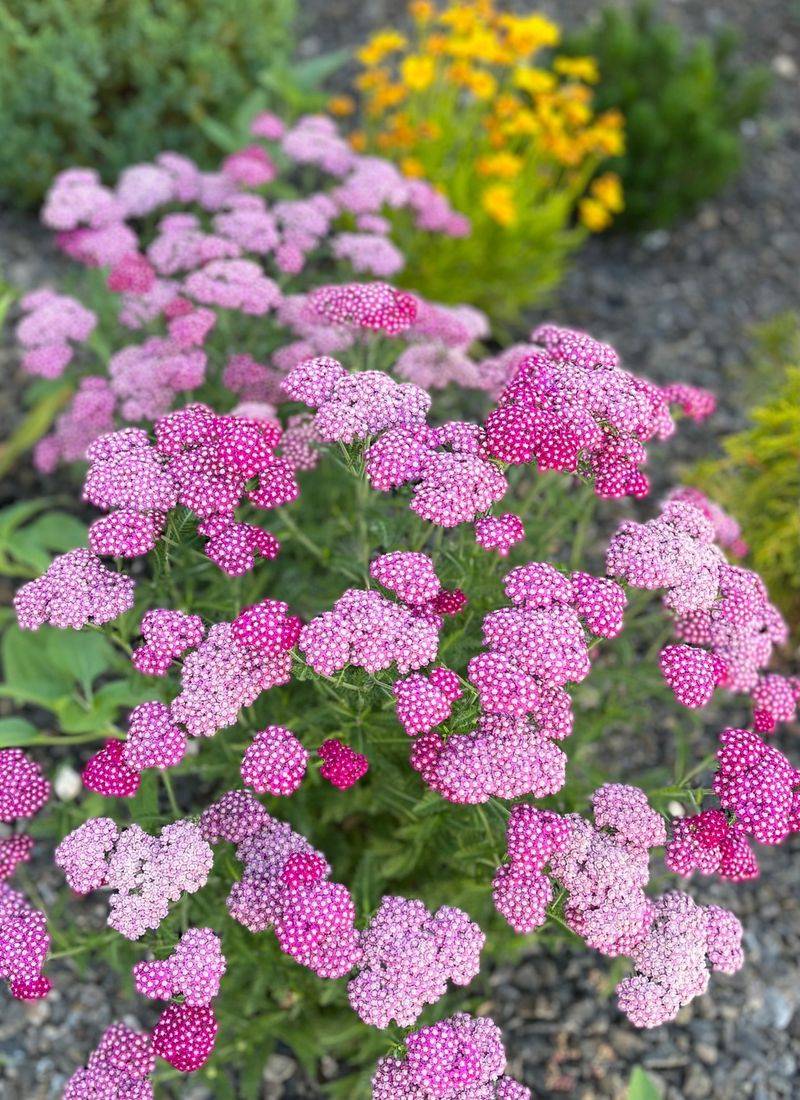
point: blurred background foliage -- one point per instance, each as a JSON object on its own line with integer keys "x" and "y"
{"x": 107, "y": 83}
{"x": 758, "y": 476}
{"x": 683, "y": 102}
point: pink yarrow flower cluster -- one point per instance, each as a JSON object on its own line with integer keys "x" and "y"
{"x": 452, "y": 481}
{"x": 456, "y": 1059}
{"x": 726, "y": 626}
{"x": 571, "y": 407}
{"x": 285, "y": 886}
{"x": 369, "y": 631}
{"x": 603, "y": 867}
{"x": 185, "y": 1034}
{"x": 204, "y": 462}
{"x": 533, "y": 649}
{"x": 167, "y": 635}
{"x": 52, "y": 325}
{"x": 408, "y": 957}
{"x": 145, "y": 873}
{"x": 354, "y": 406}
{"x": 76, "y": 589}
{"x": 710, "y": 843}
{"x": 24, "y": 944}
{"x": 234, "y": 664}
{"x": 119, "y": 1067}
{"x": 672, "y": 963}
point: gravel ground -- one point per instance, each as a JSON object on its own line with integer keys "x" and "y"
{"x": 677, "y": 305}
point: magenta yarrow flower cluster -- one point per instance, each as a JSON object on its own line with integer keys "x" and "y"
{"x": 533, "y": 649}
{"x": 726, "y": 625}
{"x": 457, "y": 1059}
{"x": 120, "y": 1066}
{"x": 24, "y": 939}
{"x": 571, "y": 407}
{"x": 285, "y": 886}
{"x": 603, "y": 869}
{"x": 184, "y": 1035}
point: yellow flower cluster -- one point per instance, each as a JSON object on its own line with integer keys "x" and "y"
{"x": 464, "y": 93}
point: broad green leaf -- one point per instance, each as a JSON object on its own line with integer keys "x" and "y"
{"x": 16, "y": 731}
{"x": 642, "y": 1086}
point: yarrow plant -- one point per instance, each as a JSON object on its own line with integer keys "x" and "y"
{"x": 304, "y": 751}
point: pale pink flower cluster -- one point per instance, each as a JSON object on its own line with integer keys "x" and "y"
{"x": 451, "y": 479}
{"x": 673, "y": 961}
{"x": 193, "y": 971}
{"x": 461, "y": 1058}
{"x": 285, "y": 886}
{"x": 602, "y": 866}
{"x": 167, "y": 635}
{"x": 571, "y": 407}
{"x": 369, "y": 631}
{"x": 726, "y": 626}
{"x": 145, "y": 873}
{"x": 52, "y": 325}
{"x": 408, "y": 957}
{"x": 533, "y": 649}
{"x": 89, "y": 414}
{"x": 76, "y": 589}
{"x": 274, "y": 762}
{"x": 354, "y": 406}
{"x": 24, "y": 940}
{"x": 727, "y": 532}
{"x": 119, "y": 1067}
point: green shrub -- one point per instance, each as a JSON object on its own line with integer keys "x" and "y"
{"x": 683, "y": 105}
{"x": 111, "y": 82}
{"x": 758, "y": 477}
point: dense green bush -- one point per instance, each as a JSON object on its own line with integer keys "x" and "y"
{"x": 683, "y": 105}
{"x": 111, "y": 82}
{"x": 758, "y": 477}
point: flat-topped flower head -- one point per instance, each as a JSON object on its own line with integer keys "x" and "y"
{"x": 153, "y": 739}
{"x": 711, "y": 844}
{"x": 408, "y": 957}
{"x": 23, "y": 787}
{"x": 108, "y": 772}
{"x": 193, "y": 970}
{"x": 120, "y": 1066}
{"x": 672, "y": 962}
{"x": 341, "y": 765}
{"x": 274, "y": 762}
{"x": 24, "y": 944}
{"x": 185, "y": 1035}
{"x": 375, "y": 307}
{"x": 759, "y": 785}
{"x": 460, "y": 1056}
{"x": 499, "y": 533}
{"x": 167, "y": 635}
{"x": 76, "y": 590}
